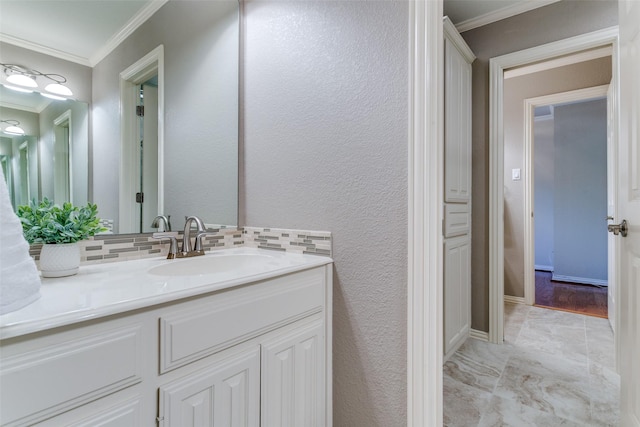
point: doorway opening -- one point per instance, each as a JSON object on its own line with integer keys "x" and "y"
{"x": 142, "y": 143}
{"x": 566, "y": 193}
{"x": 498, "y": 174}
{"x": 62, "y": 159}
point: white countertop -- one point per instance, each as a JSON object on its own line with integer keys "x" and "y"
{"x": 105, "y": 289}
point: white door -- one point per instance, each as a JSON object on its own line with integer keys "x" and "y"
{"x": 226, "y": 394}
{"x": 457, "y": 292}
{"x": 611, "y": 206}
{"x": 629, "y": 209}
{"x": 293, "y": 387}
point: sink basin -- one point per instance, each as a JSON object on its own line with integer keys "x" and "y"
{"x": 213, "y": 264}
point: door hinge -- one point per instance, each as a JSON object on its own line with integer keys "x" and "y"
{"x": 139, "y": 197}
{"x": 140, "y": 110}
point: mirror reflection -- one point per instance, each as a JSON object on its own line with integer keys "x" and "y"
{"x": 184, "y": 159}
{"x": 51, "y": 158}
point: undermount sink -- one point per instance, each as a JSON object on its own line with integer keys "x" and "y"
{"x": 212, "y": 264}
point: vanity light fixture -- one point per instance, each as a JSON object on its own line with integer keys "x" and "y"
{"x": 17, "y": 89}
{"x": 24, "y": 79}
{"x": 13, "y": 128}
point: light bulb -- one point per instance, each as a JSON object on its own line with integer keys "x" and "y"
{"x": 58, "y": 89}
{"x": 22, "y": 80}
{"x": 14, "y": 130}
{"x": 17, "y": 89}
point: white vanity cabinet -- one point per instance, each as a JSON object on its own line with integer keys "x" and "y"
{"x": 279, "y": 382}
{"x": 252, "y": 354}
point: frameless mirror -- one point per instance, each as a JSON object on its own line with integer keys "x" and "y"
{"x": 51, "y": 159}
{"x": 197, "y": 161}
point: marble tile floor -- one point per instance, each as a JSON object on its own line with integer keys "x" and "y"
{"x": 554, "y": 369}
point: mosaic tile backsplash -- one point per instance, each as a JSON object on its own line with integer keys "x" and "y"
{"x": 109, "y": 248}
{"x": 300, "y": 241}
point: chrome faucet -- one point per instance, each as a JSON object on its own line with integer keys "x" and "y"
{"x": 162, "y": 223}
{"x": 186, "y": 237}
{"x": 187, "y": 249}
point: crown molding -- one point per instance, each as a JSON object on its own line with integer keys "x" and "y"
{"x": 5, "y": 38}
{"x": 136, "y": 21}
{"x": 30, "y": 109}
{"x": 503, "y": 13}
{"x": 454, "y": 37}
{"x": 4, "y": 104}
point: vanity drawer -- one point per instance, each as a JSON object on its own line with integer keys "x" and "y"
{"x": 235, "y": 315}
{"x": 43, "y": 382}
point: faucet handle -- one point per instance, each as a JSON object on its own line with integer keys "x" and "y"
{"x": 200, "y": 235}
{"x": 173, "y": 242}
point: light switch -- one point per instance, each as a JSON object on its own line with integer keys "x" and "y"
{"x": 515, "y": 174}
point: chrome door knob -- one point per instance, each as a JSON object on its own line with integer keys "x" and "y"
{"x": 621, "y": 228}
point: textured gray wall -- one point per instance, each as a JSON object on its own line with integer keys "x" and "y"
{"x": 571, "y": 77}
{"x": 200, "y": 41}
{"x": 550, "y": 23}
{"x": 325, "y": 148}
{"x": 580, "y": 197}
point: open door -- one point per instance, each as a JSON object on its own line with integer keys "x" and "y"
{"x": 612, "y": 250}
{"x": 629, "y": 210}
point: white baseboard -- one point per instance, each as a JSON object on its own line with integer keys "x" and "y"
{"x": 479, "y": 335}
{"x": 582, "y": 280}
{"x": 458, "y": 343}
{"x": 513, "y": 300}
{"x": 544, "y": 267}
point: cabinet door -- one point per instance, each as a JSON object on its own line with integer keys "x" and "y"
{"x": 457, "y": 147}
{"x": 293, "y": 385}
{"x": 457, "y": 292}
{"x": 226, "y": 394}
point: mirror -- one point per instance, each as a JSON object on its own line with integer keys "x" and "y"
{"x": 51, "y": 159}
{"x": 198, "y": 123}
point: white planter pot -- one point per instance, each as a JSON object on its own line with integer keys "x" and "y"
{"x": 59, "y": 259}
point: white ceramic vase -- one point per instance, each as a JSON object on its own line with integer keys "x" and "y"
{"x": 59, "y": 259}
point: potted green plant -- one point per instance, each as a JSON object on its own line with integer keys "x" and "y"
{"x": 59, "y": 229}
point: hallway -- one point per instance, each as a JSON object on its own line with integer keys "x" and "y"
{"x": 555, "y": 368}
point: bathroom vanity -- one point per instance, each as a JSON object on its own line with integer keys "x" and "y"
{"x": 238, "y": 337}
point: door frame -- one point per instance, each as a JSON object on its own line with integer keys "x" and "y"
{"x": 425, "y": 200}
{"x": 24, "y": 146}
{"x": 497, "y": 66}
{"x": 130, "y": 80}
{"x": 529, "y": 220}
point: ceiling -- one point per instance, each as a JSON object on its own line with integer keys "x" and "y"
{"x": 468, "y": 14}
{"x": 83, "y": 31}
